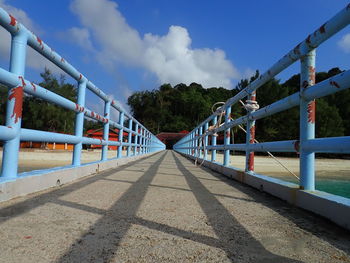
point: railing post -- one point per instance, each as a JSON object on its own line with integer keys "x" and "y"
{"x": 213, "y": 141}
{"x": 79, "y": 122}
{"x": 149, "y": 142}
{"x": 106, "y": 130}
{"x": 250, "y": 138}
{"x": 200, "y": 142}
{"x": 192, "y": 143}
{"x": 206, "y": 126}
{"x": 120, "y": 135}
{"x": 307, "y": 122}
{"x": 14, "y": 106}
{"x": 136, "y": 138}
{"x": 227, "y": 137}
{"x": 141, "y": 141}
{"x": 129, "y": 138}
{"x": 196, "y": 142}
{"x": 145, "y": 142}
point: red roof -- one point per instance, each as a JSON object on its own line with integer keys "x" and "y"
{"x": 99, "y": 132}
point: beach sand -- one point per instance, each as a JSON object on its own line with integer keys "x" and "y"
{"x": 30, "y": 159}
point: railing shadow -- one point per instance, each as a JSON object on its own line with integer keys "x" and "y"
{"x": 306, "y": 220}
{"x": 228, "y": 230}
{"x": 114, "y": 223}
{"x": 101, "y": 241}
{"x": 17, "y": 209}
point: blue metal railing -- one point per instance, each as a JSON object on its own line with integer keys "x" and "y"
{"x": 197, "y": 140}
{"x": 144, "y": 141}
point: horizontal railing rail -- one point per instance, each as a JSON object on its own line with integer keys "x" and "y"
{"x": 139, "y": 140}
{"x": 196, "y": 142}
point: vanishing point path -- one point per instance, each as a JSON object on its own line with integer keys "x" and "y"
{"x": 163, "y": 209}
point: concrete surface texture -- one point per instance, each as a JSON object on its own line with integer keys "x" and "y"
{"x": 163, "y": 209}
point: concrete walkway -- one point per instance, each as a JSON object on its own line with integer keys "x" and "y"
{"x": 163, "y": 209}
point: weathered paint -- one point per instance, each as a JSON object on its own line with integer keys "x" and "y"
{"x": 14, "y": 104}
{"x": 13, "y": 21}
{"x": 306, "y": 145}
{"x": 12, "y": 132}
{"x": 16, "y": 94}
{"x": 307, "y": 123}
{"x": 250, "y": 138}
{"x": 227, "y": 137}
{"x": 311, "y": 111}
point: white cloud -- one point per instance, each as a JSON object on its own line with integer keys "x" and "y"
{"x": 79, "y": 36}
{"x": 170, "y": 57}
{"x": 33, "y": 59}
{"x": 344, "y": 43}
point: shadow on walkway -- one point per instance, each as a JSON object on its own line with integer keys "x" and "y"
{"x": 101, "y": 241}
{"x": 17, "y": 209}
{"x": 226, "y": 227}
{"x": 306, "y": 220}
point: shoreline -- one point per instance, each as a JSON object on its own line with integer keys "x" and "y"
{"x": 34, "y": 159}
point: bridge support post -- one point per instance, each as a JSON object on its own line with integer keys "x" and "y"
{"x": 250, "y": 138}
{"x": 213, "y": 141}
{"x": 120, "y": 135}
{"x": 147, "y": 142}
{"x": 79, "y": 121}
{"x": 142, "y": 138}
{"x": 307, "y": 122}
{"x": 136, "y": 138}
{"x": 129, "y": 138}
{"x": 106, "y": 130}
{"x": 206, "y": 126}
{"x": 14, "y": 105}
{"x": 227, "y": 137}
{"x": 196, "y": 142}
{"x": 200, "y": 142}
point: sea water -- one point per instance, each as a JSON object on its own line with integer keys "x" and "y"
{"x": 334, "y": 186}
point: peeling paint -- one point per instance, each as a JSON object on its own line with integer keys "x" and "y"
{"x": 40, "y": 42}
{"x": 311, "y": 114}
{"x": 252, "y": 134}
{"x": 79, "y": 108}
{"x": 312, "y": 75}
{"x": 251, "y": 161}
{"x": 13, "y": 20}
{"x": 17, "y": 94}
{"x": 33, "y": 85}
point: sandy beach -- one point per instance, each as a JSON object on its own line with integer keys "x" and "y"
{"x": 325, "y": 168}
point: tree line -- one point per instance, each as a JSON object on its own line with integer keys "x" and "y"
{"x": 182, "y": 107}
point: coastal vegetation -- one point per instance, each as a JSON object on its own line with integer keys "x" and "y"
{"x": 182, "y": 107}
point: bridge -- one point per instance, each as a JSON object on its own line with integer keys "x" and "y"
{"x": 148, "y": 204}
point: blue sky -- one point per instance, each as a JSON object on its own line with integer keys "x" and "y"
{"x": 131, "y": 45}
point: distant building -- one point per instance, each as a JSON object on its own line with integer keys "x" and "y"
{"x": 113, "y": 136}
{"x": 170, "y": 138}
